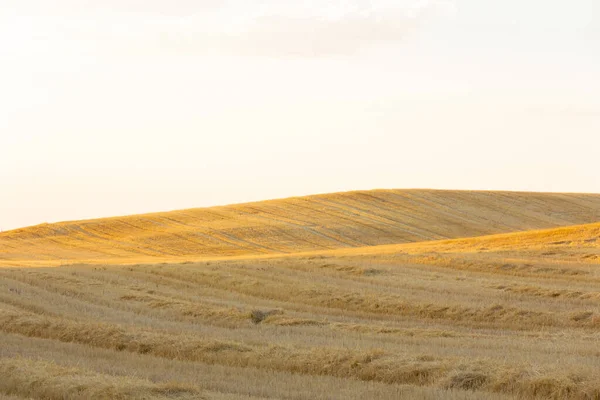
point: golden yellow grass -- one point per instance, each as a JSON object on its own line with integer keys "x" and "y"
{"x": 288, "y": 226}
{"x": 492, "y": 323}
{"x": 571, "y": 238}
{"x": 493, "y": 317}
{"x": 42, "y": 379}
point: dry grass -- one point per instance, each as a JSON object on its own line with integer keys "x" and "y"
{"x": 503, "y": 316}
{"x": 41, "y": 379}
{"x": 313, "y": 223}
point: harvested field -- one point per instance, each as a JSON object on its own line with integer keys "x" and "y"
{"x": 514, "y": 315}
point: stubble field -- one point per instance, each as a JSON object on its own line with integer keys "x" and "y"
{"x": 280, "y": 311}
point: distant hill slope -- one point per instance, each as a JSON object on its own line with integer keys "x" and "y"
{"x": 320, "y": 222}
{"x": 574, "y": 241}
{"x": 578, "y": 236}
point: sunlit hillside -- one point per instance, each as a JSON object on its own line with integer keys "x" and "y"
{"x": 332, "y": 221}
{"x": 582, "y": 240}
{"x": 579, "y": 236}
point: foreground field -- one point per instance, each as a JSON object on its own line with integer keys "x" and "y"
{"x": 313, "y": 223}
{"x": 507, "y": 316}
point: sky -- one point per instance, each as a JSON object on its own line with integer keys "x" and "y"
{"x": 117, "y": 107}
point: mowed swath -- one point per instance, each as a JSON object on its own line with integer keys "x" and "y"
{"x": 332, "y": 221}
{"x": 497, "y": 317}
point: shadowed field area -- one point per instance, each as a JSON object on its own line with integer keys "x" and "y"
{"x": 505, "y": 316}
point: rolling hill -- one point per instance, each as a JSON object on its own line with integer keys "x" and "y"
{"x": 356, "y": 295}
{"x": 300, "y": 224}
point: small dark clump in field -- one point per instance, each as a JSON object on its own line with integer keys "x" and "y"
{"x": 258, "y": 316}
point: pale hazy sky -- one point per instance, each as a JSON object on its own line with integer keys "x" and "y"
{"x": 112, "y": 107}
